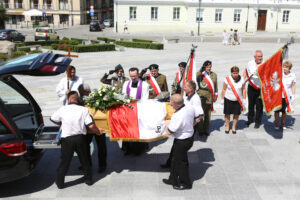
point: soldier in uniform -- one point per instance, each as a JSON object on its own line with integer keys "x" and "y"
{"x": 117, "y": 80}
{"x": 157, "y": 82}
{"x": 177, "y": 86}
{"x": 208, "y": 92}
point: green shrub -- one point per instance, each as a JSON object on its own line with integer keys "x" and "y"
{"x": 3, "y": 57}
{"x": 25, "y": 49}
{"x": 140, "y": 40}
{"x": 65, "y": 38}
{"x": 63, "y": 47}
{"x": 35, "y": 51}
{"x": 93, "y": 48}
{"x": 42, "y": 43}
{"x": 20, "y": 44}
{"x": 17, "y": 54}
{"x": 107, "y": 40}
{"x": 143, "y": 45}
{"x": 54, "y": 46}
{"x": 71, "y": 42}
{"x": 78, "y": 39}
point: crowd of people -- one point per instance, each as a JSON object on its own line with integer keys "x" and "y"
{"x": 231, "y": 38}
{"x": 193, "y": 101}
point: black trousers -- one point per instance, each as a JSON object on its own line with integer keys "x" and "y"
{"x": 254, "y": 99}
{"x": 69, "y": 145}
{"x": 101, "y": 147}
{"x": 179, "y": 165}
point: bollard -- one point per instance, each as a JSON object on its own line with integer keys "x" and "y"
{"x": 278, "y": 40}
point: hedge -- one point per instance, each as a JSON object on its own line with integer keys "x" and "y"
{"x": 143, "y": 45}
{"x": 93, "y": 48}
{"x": 140, "y": 40}
{"x": 78, "y": 39}
{"x": 42, "y": 43}
{"x": 107, "y": 40}
{"x": 3, "y": 57}
{"x": 18, "y": 54}
{"x": 70, "y": 42}
{"x": 35, "y": 51}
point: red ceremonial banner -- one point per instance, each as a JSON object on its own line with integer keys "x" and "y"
{"x": 270, "y": 75}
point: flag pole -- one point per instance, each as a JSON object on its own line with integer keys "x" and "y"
{"x": 192, "y": 51}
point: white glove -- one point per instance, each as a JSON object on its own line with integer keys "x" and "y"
{"x": 293, "y": 99}
{"x": 222, "y": 102}
{"x": 244, "y": 102}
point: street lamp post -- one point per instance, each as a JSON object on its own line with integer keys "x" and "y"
{"x": 72, "y": 17}
{"x": 199, "y": 5}
{"x": 247, "y": 19}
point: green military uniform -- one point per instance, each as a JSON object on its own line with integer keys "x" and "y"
{"x": 162, "y": 83}
{"x": 114, "y": 81}
{"x": 176, "y": 88}
{"x": 206, "y": 100}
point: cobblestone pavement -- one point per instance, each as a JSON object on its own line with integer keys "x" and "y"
{"x": 253, "y": 164}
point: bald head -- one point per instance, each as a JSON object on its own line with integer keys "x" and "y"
{"x": 258, "y": 56}
{"x": 176, "y": 101}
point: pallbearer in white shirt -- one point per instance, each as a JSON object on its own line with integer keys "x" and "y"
{"x": 288, "y": 94}
{"x": 254, "y": 97}
{"x": 181, "y": 127}
{"x": 233, "y": 98}
{"x": 69, "y": 83}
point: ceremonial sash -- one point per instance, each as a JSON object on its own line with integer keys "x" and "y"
{"x": 250, "y": 82}
{"x": 211, "y": 86}
{"x": 154, "y": 84}
{"x": 179, "y": 79}
{"x": 139, "y": 89}
{"x": 235, "y": 92}
{"x": 289, "y": 107}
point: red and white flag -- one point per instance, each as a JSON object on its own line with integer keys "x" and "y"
{"x": 191, "y": 69}
{"x": 154, "y": 84}
{"x": 144, "y": 123}
{"x": 270, "y": 76}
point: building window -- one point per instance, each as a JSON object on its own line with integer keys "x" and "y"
{"x": 6, "y": 4}
{"x": 154, "y": 11}
{"x": 132, "y": 13}
{"x": 199, "y": 15}
{"x": 34, "y": 4}
{"x": 237, "y": 15}
{"x": 218, "y": 17}
{"x": 176, "y": 13}
{"x": 47, "y": 4}
{"x": 285, "y": 17}
{"x": 63, "y": 5}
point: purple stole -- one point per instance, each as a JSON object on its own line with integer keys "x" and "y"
{"x": 139, "y": 89}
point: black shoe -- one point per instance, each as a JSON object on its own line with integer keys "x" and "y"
{"x": 233, "y": 132}
{"x": 181, "y": 187}
{"x": 165, "y": 166}
{"x": 167, "y": 181}
{"x": 248, "y": 123}
{"x": 88, "y": 182}
{"x": 101, "y": 169}
{"x": 226, "y": 131}
{"x": 80, "y": 168}
{"x": 257, "y": 125}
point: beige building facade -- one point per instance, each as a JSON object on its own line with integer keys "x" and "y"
{"x": 207, "y": 15}
{"x": 70, "y": 12}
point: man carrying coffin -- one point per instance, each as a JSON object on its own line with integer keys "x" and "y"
{"x": 177, "y": 86}
{"x": 156, "y": 81}
{"x": 253, "y": 92}
{"x": 138, "y": 89}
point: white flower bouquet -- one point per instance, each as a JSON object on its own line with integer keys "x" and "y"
{"x": 105, "y": 97}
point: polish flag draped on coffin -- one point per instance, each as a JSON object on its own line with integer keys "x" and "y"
{"x": 144, "y": 122}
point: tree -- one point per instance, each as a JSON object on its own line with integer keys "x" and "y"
{"x": 3, "y": 17}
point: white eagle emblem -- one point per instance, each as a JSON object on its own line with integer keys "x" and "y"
{"x": 275, "y": 81}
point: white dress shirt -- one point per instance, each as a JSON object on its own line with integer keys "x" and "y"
{"x": 62, "y": 87}
{"x": 194, "y": 100}
{"x": 238, "y": 87}
{"x": 251, "y": 68}
{"x": 133, "y": 91}
{"x": 182, "y": 122}
{"x": 288, "y": 81}
{"x": 73, "y": 118}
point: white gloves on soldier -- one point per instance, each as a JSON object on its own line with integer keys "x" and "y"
{"x": 222, "y": 102}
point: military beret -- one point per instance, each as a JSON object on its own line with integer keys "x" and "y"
{"x": 118, "y": 67}
{"x": 153, "y": 66}
{"x": 182, "y": 64}
{"x": 206, "y": 63}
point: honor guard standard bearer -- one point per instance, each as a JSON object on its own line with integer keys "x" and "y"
{"x": 208, "y": 92}
{"x": 157, "y": 82}
{"x": 117, "y": 80}
{"x": 73, "y": 120}
{"x": 254, "y": 97}
{"x": 177, "y": 86}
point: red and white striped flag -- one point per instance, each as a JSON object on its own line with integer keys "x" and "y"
{"x": 144, "y": 123}
{"x": 191, "y": 69}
